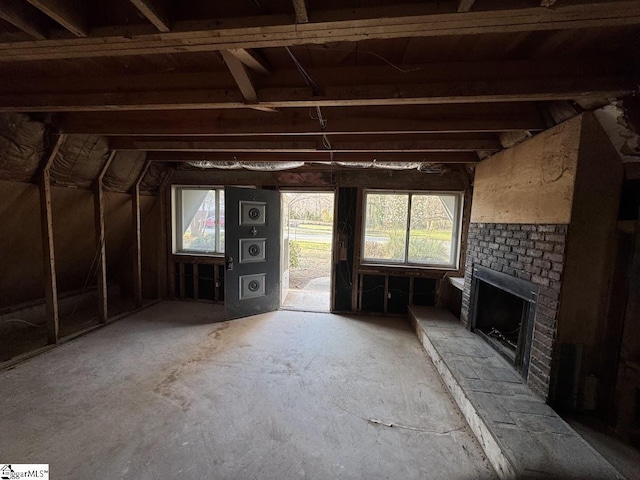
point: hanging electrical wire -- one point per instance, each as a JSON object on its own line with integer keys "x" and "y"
{"x": 307, "y": 78}
{"x": 315, "y": 91}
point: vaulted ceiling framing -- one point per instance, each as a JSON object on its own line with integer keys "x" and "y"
{"x": 248, "y": 80}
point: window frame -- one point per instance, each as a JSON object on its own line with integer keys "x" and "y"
{"x": 456, "y": 230}
{"x": 176, "y": 221}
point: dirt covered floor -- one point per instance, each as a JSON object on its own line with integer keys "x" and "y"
{"x": 173, "y": 392}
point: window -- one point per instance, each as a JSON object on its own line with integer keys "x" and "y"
{"x": 412, "y": 228}
{"x": 198, "y": 220}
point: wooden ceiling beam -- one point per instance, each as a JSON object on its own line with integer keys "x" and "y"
{"x": 441, "y": 143}
{"x": 475, "y": 72}
{"x": 155, "y": 12}
{"x": 351, "y": 26}
{"x": 300, "y": 6}
{"x": 65, "y": 13}
{"x": 464, "y": 157}
{"x": 454, "y": 92}
{"x": 16, "y": 14}
{"x": 353, "y": 121}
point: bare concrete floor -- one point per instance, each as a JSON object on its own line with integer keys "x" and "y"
{"x": 314, "y": 297}
{"x": 167, "y": 393}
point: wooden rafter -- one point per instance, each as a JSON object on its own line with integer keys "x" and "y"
{"x": 65, "y": 13}
{"x": 16, "y": 14}
{"x": 302, "y": 15}
{"x": 352, "y": 121}
{"x": 241, "y": 76}
{"x": 458, "y": 157}
{"x": 251, "y": 59}
{"x": 465, "y": 5}
{"x": 276, "y": 31}
{"x": 154, "y": 11}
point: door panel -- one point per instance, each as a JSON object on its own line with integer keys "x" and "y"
{"x": 252, "y": 249}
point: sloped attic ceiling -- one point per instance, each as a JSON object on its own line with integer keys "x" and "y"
{"x": 23, "y": 143}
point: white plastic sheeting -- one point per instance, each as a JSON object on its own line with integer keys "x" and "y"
{"x": 277, "y": 166}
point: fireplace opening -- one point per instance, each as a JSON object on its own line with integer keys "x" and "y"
{"x": 503, "y": 314}
{"x": 499, "y": 319}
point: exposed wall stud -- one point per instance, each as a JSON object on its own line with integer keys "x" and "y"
{"x": 137, "y": 254}
{"x": 101, "y": 240}
{"x": 48, "y": 251}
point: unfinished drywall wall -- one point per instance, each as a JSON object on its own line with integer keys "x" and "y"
{"x": 531, "y": 183}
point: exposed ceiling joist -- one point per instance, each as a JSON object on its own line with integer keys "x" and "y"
{"x": 464, "y": 157}
{"x": 547, "y": 3}
{"x": 251, "y": 59}
{"x": 16, "y": 14}
{"x": 65, "y": 13}
{"x": 270, "y": 31}
{"x": 353, "y": 121}
{"x": 241, "y": 76}
{"x": 300, "y": 6}
{"x": 155, "y": 12}
{"x": 524, "y": 90}
{"x": 452, "y": 143}
{"x": 465, "y": 5}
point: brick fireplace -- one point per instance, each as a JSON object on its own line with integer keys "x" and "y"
{"x": 534, "y": 253}
{"x": 544, "y": 213}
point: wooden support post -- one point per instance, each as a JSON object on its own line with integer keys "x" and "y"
{"x": 48, "y": 253}
{"x": 137, "y": 253}
{"x": 101, "y": 241}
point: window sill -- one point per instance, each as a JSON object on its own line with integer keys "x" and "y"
{"x": 385, "y": 268}
{"x": 200, "y": 258}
